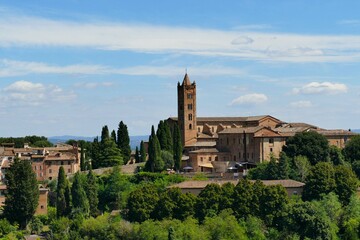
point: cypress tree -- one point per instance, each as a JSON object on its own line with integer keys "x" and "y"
{"x": 105, "y": 134}
{"x": 155, "y": 162}
{"x": 95, "y": 153}
{"x": 92, "y": 193}
{"x": 142, "y": 152}
{"x": 22, "y": 195}
{"x": 123, "y": 141}
{"x": 177, "y": 145}
{"x": 110, "y": 155}
{"x": 137, "y": 157}
{"x": 113, "y": 136}
{"x": 82, "y": 158}
{"x": 168, "y": 137}
{"x": 160, "y": 133}
{"x": 61, "y": 204}
{"x": 79, "y": 199}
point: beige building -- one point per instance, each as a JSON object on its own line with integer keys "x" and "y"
{"x": 44, "y": 161}
{"x": 43, "y": 199}
{"x": 216, "y": 144}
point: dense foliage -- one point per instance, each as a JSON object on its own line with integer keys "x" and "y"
{"x": 22, "y": 194}
{"x": 33, "y": 141}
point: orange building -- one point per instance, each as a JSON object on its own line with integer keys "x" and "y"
{"x": 215, "y": 144}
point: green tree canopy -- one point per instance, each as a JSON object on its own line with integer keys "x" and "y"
{"x": 310, "y": 144}
{"x": 177, "y": 146}
{"x": 142, "y": 152}
{"x": 352, "y": 149}
{"x": 123, "y": 141}
{"x": 22, "y": 195}
{"x": 346, "y": 183}
{"x": 91, "y": 190}
{"x": 62, "y": 197}
{"x": 79, "y": 200}
{"x": 320, "y": 181}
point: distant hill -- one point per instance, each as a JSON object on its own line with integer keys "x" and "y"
{"x": 134, "y": 140}
{"x": 356, "y": 130}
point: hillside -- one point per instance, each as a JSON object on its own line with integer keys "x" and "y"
{"x": 134, "y": 140}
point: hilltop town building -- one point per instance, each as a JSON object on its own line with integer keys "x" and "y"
{"x": 45, "y": 161}
{"x": 215, "y": 144}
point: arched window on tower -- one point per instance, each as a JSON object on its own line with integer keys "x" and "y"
{"x": 190, "y": 117}
{"x": 190, "y": 126}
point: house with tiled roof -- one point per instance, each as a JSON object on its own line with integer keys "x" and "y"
{"x": 216, "y": 144}
{"x": 45, "y": 161}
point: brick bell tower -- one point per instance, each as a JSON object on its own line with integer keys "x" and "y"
{"x": 187, "y": 111}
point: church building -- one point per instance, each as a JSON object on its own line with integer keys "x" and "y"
{"x": 216, "y": 144}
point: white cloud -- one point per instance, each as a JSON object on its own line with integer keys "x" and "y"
{"x": 321, "y": 88}
{"x": 91, "y": 85}
{"x": 242, "y": 40}
{"x": 266, "y": 46}
{"x": 301, "y": 104}
{"x": 24, "y": 86}
{"x": 249, "y": 99}
{"x": 25, "y": 93}
{"x": 19, "y": 68}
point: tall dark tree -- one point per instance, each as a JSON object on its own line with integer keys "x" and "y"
{"x": 22, "y": 195}
{"x": 155, "y": 163}
{"x": 110, "y": 155}
{"x": 142, "y": 152}
{"x": 310, "y": 144}
{"x": 123, "y": 141}
{"x": 95, "y": 153}
{"x": 62, "y": 201}
{"x": 80, "y": 202}
{"x": 178, "y": 148}
{"x": 92, "y": 193}
{"x": 105, "y": 135}
{"x": 82, "y": 157}
{"x": 272, "y": 170}
{"x": 113, "y": 136}
{"x": 160, "y": 133}
{"x": 137, "y": 155}
{"x": 168, "y": 137}
{"x": 208, "y": 201}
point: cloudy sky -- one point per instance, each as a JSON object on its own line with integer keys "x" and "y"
{"x": 71, "y": 66}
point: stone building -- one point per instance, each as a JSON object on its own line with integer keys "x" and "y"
{"x": 215, "y": 144}
{"x": 45, "y": 161}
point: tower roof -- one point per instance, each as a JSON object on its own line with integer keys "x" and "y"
{"x": 186, "y": 80}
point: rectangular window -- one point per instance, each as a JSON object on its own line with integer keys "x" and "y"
{"x": 50, "y": 171}
{"x": 209, "y": 159}
{"x": 190, "y": 106}
{"x": 189, "y": 96}
{"x": 271, "y": 140}
{"x": 69, "y": 171}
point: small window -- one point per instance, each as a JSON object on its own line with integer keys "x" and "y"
{"x": 198, "y": 129}
{"x": 201, "y": 159}
{"x": 271, "y": 140}
{"x": 212, "y": 129}
{"x": 209, "y": 159}
{"x": 271, "y": 149}
{"x": 50, "y": 178}
{"x": 62, "y": 163}
{"x": 190, "y": 106}
{"x": 69, "y": 170}
{"x": 40, "y": 167}
{"x": 50, "y": 171}
{"x": 190, "y": 117}
{"x": 216, "y": 158}
{"x": 189, "y": 96}
{"x": 190, "y": 126}
{"x": 42, "y": 207}
{"x": 35, "y": 168}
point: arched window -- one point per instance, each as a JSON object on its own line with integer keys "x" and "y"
{"x": 190, "y": 126}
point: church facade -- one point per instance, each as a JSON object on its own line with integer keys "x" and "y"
{"x": 216, "y": 144}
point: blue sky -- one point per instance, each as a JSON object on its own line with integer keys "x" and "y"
{"x": 70, "y": 67}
